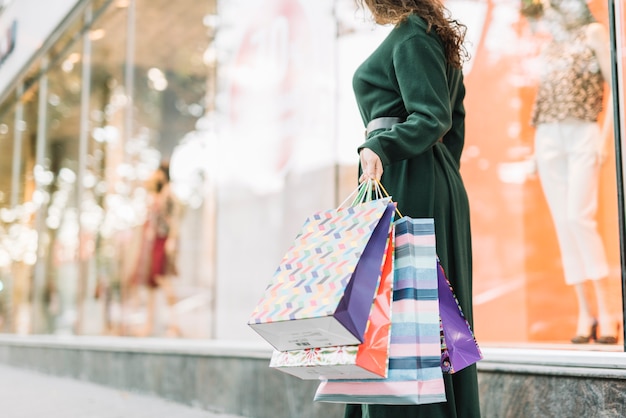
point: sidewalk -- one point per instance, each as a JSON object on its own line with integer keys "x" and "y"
{"x": 28, "y": 394}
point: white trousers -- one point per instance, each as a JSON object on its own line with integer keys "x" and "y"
{"x": 569, "y": 169}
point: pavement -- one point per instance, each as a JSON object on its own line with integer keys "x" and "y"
{"x": 29, "y": 394}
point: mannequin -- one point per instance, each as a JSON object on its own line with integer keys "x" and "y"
{"x": 570, "y": 147}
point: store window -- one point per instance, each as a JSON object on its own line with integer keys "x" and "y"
{"x": 9, "y": 260}
{"x": 166, "y": 289}
{"x": 7, "y": 123}
{"x": 29, "y": 131}
{"x": 61, "y": 162}
{"x": 18, "y": 242}
{"x": 276, "y": 143}
{"x": 619, "y": 19}
{"x": 519, "y": 266}
{"x": 105, "y": 199}
{"x": 252, "y": 109}
{"x": 619, "y": 38}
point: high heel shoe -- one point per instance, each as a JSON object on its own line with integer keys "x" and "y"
{"x": 584, "y": 339}
{"x": 608, "y": 339}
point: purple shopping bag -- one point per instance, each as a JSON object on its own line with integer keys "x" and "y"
{"x": 459, "y": 348}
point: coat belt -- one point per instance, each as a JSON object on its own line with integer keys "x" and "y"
{"x": 381, "y": 123}
{"x": 385, "y": 122}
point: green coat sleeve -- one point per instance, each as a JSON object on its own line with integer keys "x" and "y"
{"x": 418, "y": 73}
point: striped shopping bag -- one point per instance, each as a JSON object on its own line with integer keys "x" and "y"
{"x": 415, "y": 375}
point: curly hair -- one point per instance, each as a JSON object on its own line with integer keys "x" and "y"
{"x": 437, "y": 17}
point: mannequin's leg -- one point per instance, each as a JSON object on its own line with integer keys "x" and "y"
{"x": 608, "y": 326}
{"x": 585, "y": 317}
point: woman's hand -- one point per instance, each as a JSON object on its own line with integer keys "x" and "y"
{"x": 371, "y": 165}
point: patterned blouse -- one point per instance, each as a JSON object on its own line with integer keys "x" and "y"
{"x": 572, "y": 85}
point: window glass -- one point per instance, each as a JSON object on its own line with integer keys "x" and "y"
{"x": 105, "y": 199}
{"x": 252, "y": 150}
{"x": 168, "y": 271}
{"x": 519, "y": 267}
{"x": 10, "y": 286}
{"x": 66, "y": 39}
{"x": 518, "y": 273}
{"x": 7, "y": 122}
{"x": 276, "y": 143}
{"x": 620, "y": 37}
{"x": 19, "y": 204}
{"x": 100, "y": 5}
{"x": 60, "y": 253}
{"x": 30, "y": 103}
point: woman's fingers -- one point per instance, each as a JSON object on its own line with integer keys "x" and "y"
{"x": 371, "y": 165}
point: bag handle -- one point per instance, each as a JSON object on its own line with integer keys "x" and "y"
{"x": 364, "y": 194}
{"x": 380, "y": 185}
{"x": 358, "y": 199}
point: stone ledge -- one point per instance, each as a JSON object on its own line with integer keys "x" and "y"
{"x": 234, "y": 377}
{"x": 219, "y": 376}
{"x": 496, "y": 358}
{"x": 576, "y": 363}
{"x": 211, "y": 348}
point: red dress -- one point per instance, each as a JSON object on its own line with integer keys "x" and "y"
{"x": 153, "y": 260}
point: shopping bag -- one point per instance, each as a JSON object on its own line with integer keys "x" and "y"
{"x": 322, "y": 291}
{"x": 415, "y": 375}
{"x": 459, "y": 348}
{"x": 367, "y": 360}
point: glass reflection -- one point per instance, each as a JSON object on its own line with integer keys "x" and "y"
{"x": 11, "y": 284}
{"x": 517, "y": 258}
{"x": 518, "y": 273}
{"x": 570, "y": 147}
{"x": 169, "y": 98}
{"x": 61, "y": 214}
{"x": 104, "y": 200}
{"x": 263, "y": 142}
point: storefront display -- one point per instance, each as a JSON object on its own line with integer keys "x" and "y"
{"x": 250, "y": 106}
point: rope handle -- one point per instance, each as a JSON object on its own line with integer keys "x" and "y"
{"x": 379, "y": 184}
{"x": 364, "y": 194}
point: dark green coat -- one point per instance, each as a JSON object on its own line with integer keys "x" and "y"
{"x": 407, "y": 76}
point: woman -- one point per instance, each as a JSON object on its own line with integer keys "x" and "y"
{"x": 410, "y": 94}
{"x": 160, "y": 240}
{"x": 570, "y": 147}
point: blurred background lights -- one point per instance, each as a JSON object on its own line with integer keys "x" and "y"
{"x": 97, "y": 34}
{"x": 67, "y": 176}
{"x": 107, "y": 134}
{"x": 156, "y": 79}
{"x": 70, "y": 61}
{"x": 191, "y": 163}
{"x": 43, "y": 177}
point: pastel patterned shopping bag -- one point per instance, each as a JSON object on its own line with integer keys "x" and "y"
{"x": 322, "y": 290}
{"x": 415, "y": 375}
{"x": 368, "y": 360}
